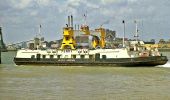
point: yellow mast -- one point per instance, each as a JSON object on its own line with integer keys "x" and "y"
{"x": 102, "y": 36}
{"x": 68, "y": 36}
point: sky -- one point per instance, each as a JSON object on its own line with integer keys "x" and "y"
{"x": 20, "y": 19}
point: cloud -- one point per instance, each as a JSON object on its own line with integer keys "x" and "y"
{"x": 34, "y": 13}
{"x": 73, "y": 3}
{"x": 20, "y": 4}
{"x": 21, "y": 16}
{"x": 43, "y": 2}
{"x": 105, "y": 2}
{"x": 132, "y": 1}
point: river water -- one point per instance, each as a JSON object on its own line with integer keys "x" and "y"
{"x": 82, "y": 83}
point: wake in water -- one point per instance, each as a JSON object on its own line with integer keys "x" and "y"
{"x": 168, "y": 56}
{"x": 166, "y": 65}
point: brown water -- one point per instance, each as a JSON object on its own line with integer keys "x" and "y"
{"x": 82, "y": 83}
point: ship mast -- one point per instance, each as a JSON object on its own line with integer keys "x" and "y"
{"x": 39, "y": 37}
{"x": 136, "y": 32}
{"x": 123, "y": 33}
{"x": 85, "y": 18}
{"x": 85, "y": 27}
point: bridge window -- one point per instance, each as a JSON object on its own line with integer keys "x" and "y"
{"x": 38, "y": 56}
{"x": 58, "y": 56}
{"x": 90, "y": 56}
{"x": 74, "y": 56}
{"x": 32, "y": 56}
{"x": 82, "y": 56}
{"x": 48, "y": 51}
{"x": 44, "y": 56}
{"x": 51, "y": 56}
{"x": 103, "y": 56}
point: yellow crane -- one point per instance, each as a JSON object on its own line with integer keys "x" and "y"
{"x": 68, "y": 36}
{"x": 102, "y": 36}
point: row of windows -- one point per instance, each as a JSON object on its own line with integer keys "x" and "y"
{"x": 58, "y": 56}
{"x": 90, "y": 56}
{"x": 51, "y": 51}
{"x": 82, "y": 56}
{"x": 68, "y": 50}
{"x": 73, "y": 56}
{"x": 44, "y": 56}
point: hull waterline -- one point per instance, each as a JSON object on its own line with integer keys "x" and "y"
{"x": 131, "y": 62}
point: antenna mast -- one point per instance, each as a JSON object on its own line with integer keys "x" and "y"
{"x": 39, "y": 37}
{"x": 136, "y": 33}
{"x": 39, "y": 31}
{"x": 123, "y": 33}
{"x": 85, "y": 18}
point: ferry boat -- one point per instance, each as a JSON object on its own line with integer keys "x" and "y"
{"x": 93, "y": 52}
